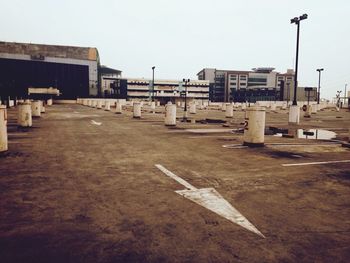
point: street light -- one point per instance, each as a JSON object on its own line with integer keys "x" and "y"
{"x": 153, "y": 82}
{"x": 296, "y": 20}
{"x": 319, "y": 84}
{"x": 186, "y": 81}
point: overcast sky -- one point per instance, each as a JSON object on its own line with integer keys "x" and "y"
{"x": 180, "y": 37}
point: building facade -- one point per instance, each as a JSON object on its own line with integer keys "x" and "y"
{"x": 108, "y": 78}
{"x": 238, "y": 85}
{"x": 73, "y": 70}
{"x": 164, "y": 90}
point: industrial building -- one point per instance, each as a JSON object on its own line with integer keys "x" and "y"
{"x": 108, "y": 77}
{"x": 258, "y": 84}
{"x": 164, "y": 90}
{"x": 75, "y": 71}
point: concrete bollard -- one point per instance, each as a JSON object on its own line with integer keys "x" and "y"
{"x": 153, "y": 105}
{"x": 314, "y": 108}
{"x": 308, "y": 111}
{"x": 223, "y": 107}
{"x": 294, "y": 114}
{"x": 137, "y": 110}
{"x": 244, "y": 106}
{"x": 193, "y": 109}
{"x": 170, "y": 115}
{"x": 229, "y": 110}
{"x": 99, "y": 104}
{"x": 24, "y": 118}
{"x": 118, "y": 108}
{"x": 49, "y": 102}
{"x": 284, "y": 106}
{"x": 254, "y": 127}
{"x": 158, "y": 103}
{"x": 273, "y": 106}
{"x": 107, "y": 105}
{"x": 3, "y": 129}
{"x": 94, "y": 103}
{"x": 178, "y": 103}
{"x": 36, "y": 111}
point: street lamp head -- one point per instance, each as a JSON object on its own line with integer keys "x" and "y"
{"x": 153, "y": 67}
{"x": 320, "y": 69}
{"x": 294, "y": 20}
{"x": 304, "y": 16}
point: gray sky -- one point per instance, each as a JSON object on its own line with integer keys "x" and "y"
{"x": 180, "y": 37}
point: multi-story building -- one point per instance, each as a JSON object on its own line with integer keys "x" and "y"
{"x": 257, "y": 84}
{"x": 108, "y": 77}
{"x": 164, "y": 90}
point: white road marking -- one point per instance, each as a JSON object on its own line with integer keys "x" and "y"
{"x": 211, "y": 200}
{"x": 175, "y": 177}
{"x": 314, "y": 163}
{"x": 96, "y": 123}
{"x": 210, "y": 136}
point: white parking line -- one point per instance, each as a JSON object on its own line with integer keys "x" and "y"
{"x": 314, "y": 163}
{"x": 96, "y": 123}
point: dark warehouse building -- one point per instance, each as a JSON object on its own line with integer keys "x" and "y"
{"x": 72, "y": 70}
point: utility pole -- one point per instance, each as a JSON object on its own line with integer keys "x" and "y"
{"x": 319, "y": 84}
{"x": 345, "y": 96}
{"x": 153, "y": 82}
{"x": 296, "y": 20}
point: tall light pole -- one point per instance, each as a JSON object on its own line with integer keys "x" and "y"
{"x": 345, "y": 96}
{"x": 319, "y": 84}
{"x": 296, "y": 20}
{"x": 186, "y": 81}
{"x": 153, "y": 82}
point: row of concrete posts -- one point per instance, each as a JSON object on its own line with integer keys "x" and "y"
{"x": 26, "y": 109}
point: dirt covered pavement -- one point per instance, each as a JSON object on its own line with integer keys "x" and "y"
{"x": 82, "y": 186}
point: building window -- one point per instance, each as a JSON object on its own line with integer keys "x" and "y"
{"x": 233, "y": 83}
{"x": 242, "y": 84}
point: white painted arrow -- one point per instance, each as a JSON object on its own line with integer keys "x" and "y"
{"x": 96, "y": 123}
{"x": 212, "y": 200}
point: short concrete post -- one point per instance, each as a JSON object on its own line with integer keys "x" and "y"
{"x": 107, "y": 105}
{"x": 294, "y": 114}
{"x": 137, "y": 110}
{"x": 308, "y": 111}
{"x": 49, "y": 102}
{"x": 3, "y": 129}
{"x": 118, "y": 108}
{"x": 24, "y": 118}
{"x": 314, "y": 108}
{"x": 153, "y": 105}
{"x": 254, "y": 127}
{"x": 244, "y": 106}
{"x": 170, "y": 115}
{"x": 99, "y": 104}
{"x": 36, "y": 108}
{"x": 273, "y": 106}
{"x": 193, "y": 109}
{"x": 223, "y": 107}
{"x": 182, "y": 104}
{"x": 284, "y": 106}
{"x": 158, "y": 103}
{"x": 229, "y": 110}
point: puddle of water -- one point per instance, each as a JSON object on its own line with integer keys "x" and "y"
{"x": 311, "y": 134}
